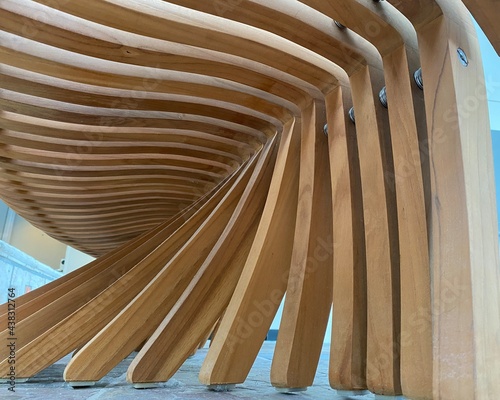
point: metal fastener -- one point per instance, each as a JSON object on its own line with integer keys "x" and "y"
{"x": 418, "y": 78}
{"x": 351, "y": 115}
{"x": 463, "y": 57}
{"x": 382, "y": 95}
{"x": 339, "y": 24}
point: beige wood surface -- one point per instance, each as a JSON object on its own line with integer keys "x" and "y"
{"x": 382, "y": 253}
{"x": 352, "y": 58}
{"x": 464, "y": 260}
{"x": 103, "y": 271}
{"x": 260, "y": 288}
{"x": 211, "y": 289}
{"x": 130, "y": 129}
{"x": 68, "y": 334}
{"x": 36, "y": 318}
{"x": 308, "y": 299}
{"x": 412, "y": 185}
{"x": 348, "y": 341}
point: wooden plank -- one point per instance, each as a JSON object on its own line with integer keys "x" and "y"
{"x": 310, "y": 29}
{"x": 412, "y": 184}
{"x": 308, "y": 299}
{"x": 412, "y": 181}
{"x": 46, "y": 310}
{"x": 464, "y": 257}
{"x": 211, "y": 289}
{"x": 260, "y": 289}
{"x": 349, "y": 323}
{"x": 382, "y": 251}
{"x": 68, "y": 334}
{"x": 204, "y": 31}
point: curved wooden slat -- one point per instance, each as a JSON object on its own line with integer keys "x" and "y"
{"x": 37, "y": 316}
{"x": 127, "y": 329}
{"x": 219, "y": 274}
{"x": 309, "y": 289}
{"x": 260, "y": 289}
{"x": 465, "y": 249}
{"x": 124, "y": 123}
{"x": 349, "y": 331}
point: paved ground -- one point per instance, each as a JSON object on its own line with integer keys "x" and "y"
{"x": 49, "y": 384}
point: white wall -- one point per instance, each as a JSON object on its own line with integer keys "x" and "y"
{"x": 36, "y": 243}
{"x": 75, "y": 259}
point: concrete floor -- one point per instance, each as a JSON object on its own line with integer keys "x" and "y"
{"x": 49, "y": 384}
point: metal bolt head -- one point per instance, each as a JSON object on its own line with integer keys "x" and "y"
{"x": 382, "y": 95}
{"x": 418, "y": 78}
{"x": 325, "y": 129}
{"x": 462, "y": 57}
{"x": 339, "y": 25}
{"x": 351, "y": 115}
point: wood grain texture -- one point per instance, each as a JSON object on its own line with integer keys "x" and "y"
{"x": 382, "y": 252}
{"x": 263, "y": 281}
{"x": 145, "y": 133}
{"x": 210, "y": 291}
{"x": 464, "y": 256}
{"x": 308, "y": 299}
{"x": 40, "y": 315}
{"x": 347, "y": 369}
{"x": 67, "y": 334}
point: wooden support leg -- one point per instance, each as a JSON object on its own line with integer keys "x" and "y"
{"x": 210, "y": 291}
{"x": 309, "y": 291}
{"x": 139, "y": 319}
{"x": 72, "y": 332}
{"x": 381, "y": 235}
{"x": 263, "y": 281}
{"x": 348, "y": 342}
{"x": 45, "y": 311}
{"x": 409, "y": 136}
{"x": 464, "y": 244}
{"x": 43, "y": 319}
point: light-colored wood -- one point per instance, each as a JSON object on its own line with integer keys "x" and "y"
{"x": 124, "y": 122}
{"x": 348, "y": 341}
{"x": 143, "y": 313}
{"x": 308, "y": 299}
{"x": 68, "y": 334}
{"x": 171, "y": 23}
{"x": 464, "y": 257}
{"x": 195, "y": 312}
{"x": 382, "y": 252}
{"x": 408, "y": 129}
{"x": 353, "y": 50}
{"x": 262, "y": 284}
{"x": 411, "y": 182}
{"x": 39, "y": 315}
